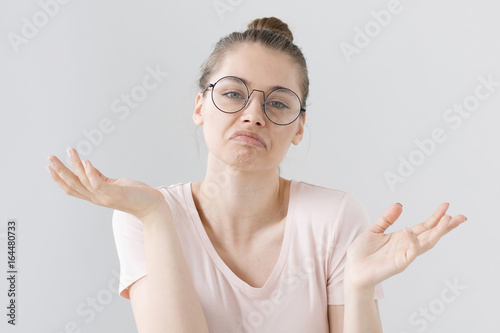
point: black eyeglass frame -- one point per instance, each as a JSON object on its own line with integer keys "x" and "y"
{"x": 249, "y": 94}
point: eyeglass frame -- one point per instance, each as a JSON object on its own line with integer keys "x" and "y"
{"x": 212, "y": 85}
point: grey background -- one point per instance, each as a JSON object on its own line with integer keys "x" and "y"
{"x": 363, "y": 115}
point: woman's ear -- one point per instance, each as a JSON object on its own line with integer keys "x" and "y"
{"x": 300, "y": 130}
{"x": 197, "y": 114}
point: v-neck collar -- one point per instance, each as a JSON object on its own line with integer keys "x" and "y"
{"x": 221, "y": 265}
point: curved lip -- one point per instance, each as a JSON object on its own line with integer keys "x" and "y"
{"x": 250, "y": 134}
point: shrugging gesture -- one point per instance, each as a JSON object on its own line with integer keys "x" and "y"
{"x": 90, "y": 184}
{"x": 375, "y": 256}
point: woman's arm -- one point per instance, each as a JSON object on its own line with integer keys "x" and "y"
{"x": 165, "y": 299}
{"x": 336, "y": 318}
{"x": 362, "y": 312}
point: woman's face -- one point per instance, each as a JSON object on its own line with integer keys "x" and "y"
{"x": 261, "y": 69}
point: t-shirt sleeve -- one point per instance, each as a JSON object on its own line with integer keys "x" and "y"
{"x": 352, "y": 221}
{"x": 129, "y": 241}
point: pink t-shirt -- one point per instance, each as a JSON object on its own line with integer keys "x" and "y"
{"x": 308, "y": 276}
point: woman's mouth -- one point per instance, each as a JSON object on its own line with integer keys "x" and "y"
{"x": 249, "y": 137}
{"x": 249, "y": 140}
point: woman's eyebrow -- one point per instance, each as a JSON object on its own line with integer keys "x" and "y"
{"x": 248, "y": 83}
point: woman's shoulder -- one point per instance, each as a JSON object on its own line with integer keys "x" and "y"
{"x": 174, "y": 187}
{"x": 174, "y": 190}
{"x": 177, "y": 195}
{"x": 322, "y": 206}
{"x": 315, "y": 191}
{"x": 323, "y": 198}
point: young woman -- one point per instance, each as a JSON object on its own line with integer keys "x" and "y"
{"x": 245, "y": 250}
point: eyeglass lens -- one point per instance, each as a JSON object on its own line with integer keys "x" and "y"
{"x": 230, "y": 95}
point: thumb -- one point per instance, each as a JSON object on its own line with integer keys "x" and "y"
{"x": 387, "y": 218}
{"x": 96, "y": 178}
{"x": 414, "y": 250}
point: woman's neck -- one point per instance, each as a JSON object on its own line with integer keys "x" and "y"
{"x": 236, "y": 204}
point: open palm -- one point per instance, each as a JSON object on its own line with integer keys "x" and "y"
{"x": 384, "y": 255}
{"x": 88, "y": 183}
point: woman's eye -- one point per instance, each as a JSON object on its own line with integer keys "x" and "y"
{"x": 276, "y": 104}
{"x": 233, "y": 94}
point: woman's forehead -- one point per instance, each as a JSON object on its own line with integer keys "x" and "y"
{"x": 260, "y": 67}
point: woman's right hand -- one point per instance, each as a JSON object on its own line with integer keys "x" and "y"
{"x": 90, "y": 184}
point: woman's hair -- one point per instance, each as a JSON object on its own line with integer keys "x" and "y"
{"x": 270, "y": 32}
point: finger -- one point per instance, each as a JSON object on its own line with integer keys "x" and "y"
{"x": 431, "y": 237}
{"x": 455, "y": 222}
{"x": 106, "y": 192}
{"x": 387, "y": 218}
{"x": 97, "y": 172}
{"x": 78, "y": 166}
{"x": 62, "y": 184}
{"x": 66, "y": 179}
{"x": 432, "y": 221}
{"x": 96, "y": 179}
{"x": 414, "y": 249}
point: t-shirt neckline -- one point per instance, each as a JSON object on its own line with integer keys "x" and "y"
{"x": 221, "y": 265}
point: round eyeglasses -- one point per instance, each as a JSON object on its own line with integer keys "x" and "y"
{"x": 230, "y": 94}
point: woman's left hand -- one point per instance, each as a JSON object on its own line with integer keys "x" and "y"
{"x": 375, "y": 256}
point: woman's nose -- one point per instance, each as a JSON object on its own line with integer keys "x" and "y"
{"x": 254, "y": 107}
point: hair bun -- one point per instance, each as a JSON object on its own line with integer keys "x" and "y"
{"x": 272, "y": 23}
